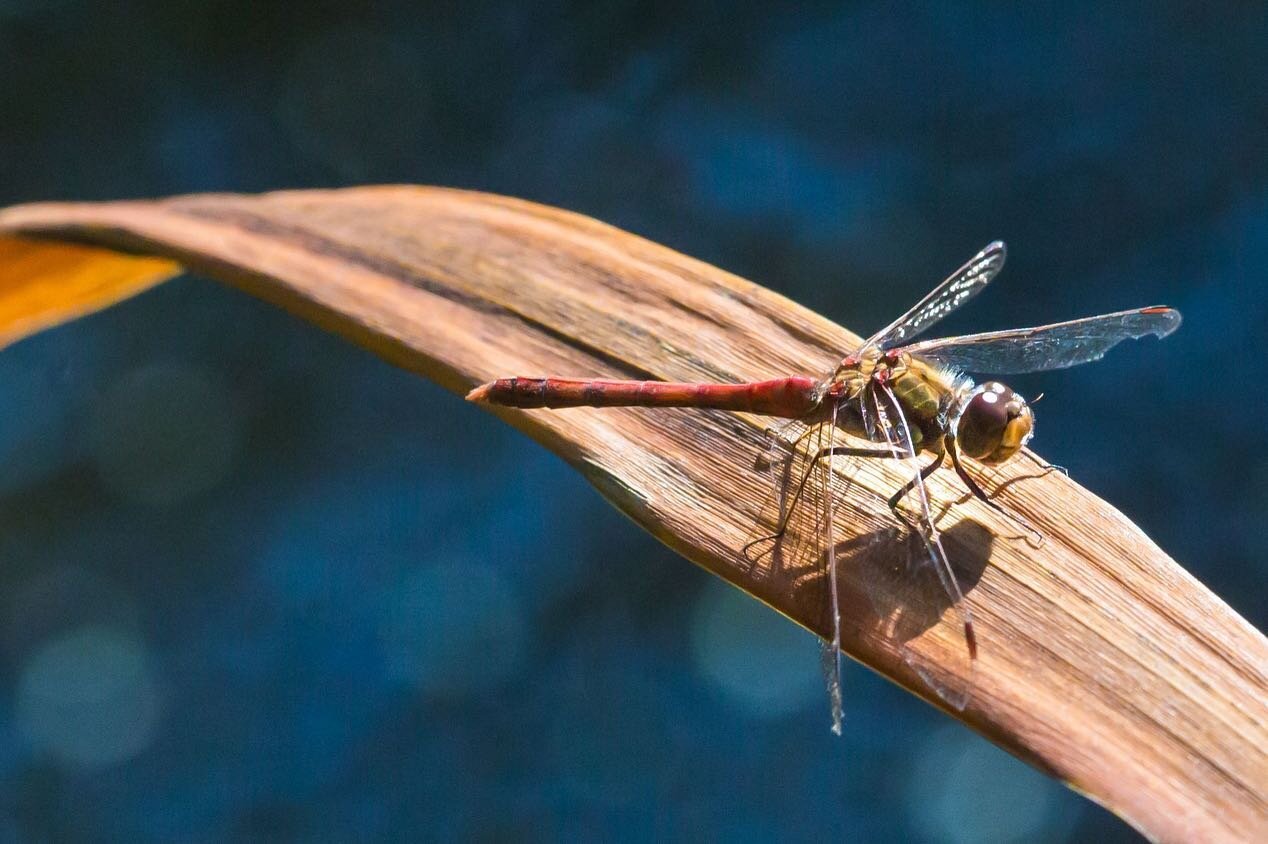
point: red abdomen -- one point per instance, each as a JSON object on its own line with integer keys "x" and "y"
{"x": 788, "y": 397}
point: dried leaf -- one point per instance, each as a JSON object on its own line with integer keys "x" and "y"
{"x": 1102, "y": 661}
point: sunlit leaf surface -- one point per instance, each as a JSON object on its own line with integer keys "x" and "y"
{"x": 46, "y": 283}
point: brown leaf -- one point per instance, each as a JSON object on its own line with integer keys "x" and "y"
{"x": 1102, "y": 661}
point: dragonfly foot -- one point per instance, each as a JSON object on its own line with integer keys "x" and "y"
{"x": 1047, "y": 467}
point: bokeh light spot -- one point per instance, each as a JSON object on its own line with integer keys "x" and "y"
{"x": 89, "y": 698}
{"x": 455, "y": 628}
{"x": 165, "y": 433}
{"x": 763, "y": 662}
{"x": 964, "y": 789}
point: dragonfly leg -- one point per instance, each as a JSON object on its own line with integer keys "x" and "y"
{"x": 897, "y": 497}
{"x": 838, "y": 450}
{"x": 777, "y": 439}
{"x": 1047, "y": 467}
{"x": 981, "y": 495}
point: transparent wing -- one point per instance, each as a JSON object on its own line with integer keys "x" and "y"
{"x": 1055, "y": 346}
{"x": 793, "y": 539}
{"x": 919, "y": 601}
{"x": 961, "y": 286}
{"x": 831, "y": 648}
{"x": 784, "y": 543}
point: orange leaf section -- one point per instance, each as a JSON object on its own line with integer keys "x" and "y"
{"x": 45, "y": 283}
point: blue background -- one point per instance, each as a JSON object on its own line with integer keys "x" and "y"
{"x": 252, "y": 584}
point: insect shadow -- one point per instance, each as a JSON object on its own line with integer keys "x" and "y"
{"x": 888, "y": 583}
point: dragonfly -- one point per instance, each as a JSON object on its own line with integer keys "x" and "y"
{"x": 895, "y": 398}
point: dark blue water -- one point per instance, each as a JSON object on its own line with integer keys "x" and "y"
{"x": 258, "y": 584}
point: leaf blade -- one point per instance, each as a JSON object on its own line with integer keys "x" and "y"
{"x": 1102, "y": 661}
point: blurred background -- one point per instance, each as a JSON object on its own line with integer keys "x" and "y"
{"x": 256, "y": 584}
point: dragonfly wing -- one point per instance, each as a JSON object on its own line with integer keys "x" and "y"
{"x": 961, "y": 286}
{"x": 831, "y": 647}
{"x": 913, "y": 599}
{"x": 793, "y": 539}
{"x": 1055, "y": 346}
{"x": 787, "y": 532}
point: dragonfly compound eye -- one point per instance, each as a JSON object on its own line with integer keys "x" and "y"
{"x": 994, "y": 424}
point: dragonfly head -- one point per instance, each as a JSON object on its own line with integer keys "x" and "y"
{"x": 994, "y": 423}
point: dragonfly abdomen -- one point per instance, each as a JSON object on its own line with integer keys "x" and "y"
{"x": 791, "y": 398}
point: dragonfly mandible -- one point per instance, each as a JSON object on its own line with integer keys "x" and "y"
{"x": 903, "y": 398}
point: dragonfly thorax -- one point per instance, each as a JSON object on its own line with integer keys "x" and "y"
{"x": 873, "y": 388}
{"x": 989, "y": 422}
